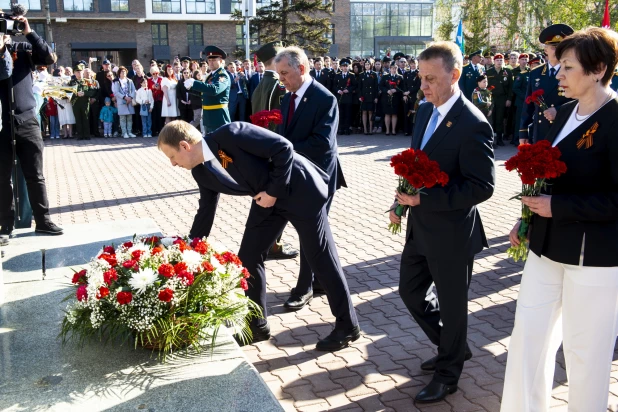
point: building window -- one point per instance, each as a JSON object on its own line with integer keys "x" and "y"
{"x": 200, "y": 6}
{"x": 236, "y": 5}
{"x": 38, "y": 28}
{"x": 330, "y": 34}
{"x": 159, "y": 34}
{"x": 166, "y": 6}
{"x": 368, "y": 20}
{"x": 78, "y": 5}
{"x": 195, "y": 35}
{"x": 332, "y": 2}
{"x": 240, "y": 38}
{"x": 262, "y": 3}
{"x": 120, "y": 5}
{"x": 32, "y": 4}
{"x": 5, "y": 4}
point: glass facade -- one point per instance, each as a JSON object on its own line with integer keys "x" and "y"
{"x": 159, "y": 34}
{"x": 120, "y": 5}
{"x": 368, "y": 20}
{"x": 165, "y": 6}
{"x": 200, "y": 6}
{"x": 78, "y": 5}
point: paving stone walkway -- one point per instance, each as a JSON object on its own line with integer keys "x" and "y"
{"x": 111, "y": 179}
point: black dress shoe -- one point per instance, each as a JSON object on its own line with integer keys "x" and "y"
{"x": 284, "y": 252}
{"x": 434, "y": 392}
{"x": 296, "y": 301}
{"x": 338, "y": 339}
{"x": 258, "y": 334}
{"x": 430, "y": 364}
{"x": 48, "y": 227}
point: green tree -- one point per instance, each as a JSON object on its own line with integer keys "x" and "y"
{"x": 302, "y": 23}
{"x": 475, "y": 23}
{"x": 444, "y": 19}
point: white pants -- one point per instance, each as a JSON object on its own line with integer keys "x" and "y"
{"x": 577, "y": 306}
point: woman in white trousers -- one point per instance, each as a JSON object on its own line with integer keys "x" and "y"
{"x": 569, "y": 287}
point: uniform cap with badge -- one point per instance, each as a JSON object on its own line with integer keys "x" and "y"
{"x": 476, "y": 53}
{"x": 185, "y": 59}
{"x": 213, "y": 51}
{"x": 345, "y": 62}
{"x": 79, "y": 67}
{"x": 499, "y": 56}
{"x": 269, "y": 50}
{"x": 555, "y": 33}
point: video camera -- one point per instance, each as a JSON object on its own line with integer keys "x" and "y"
{"x": 10, "y": 26}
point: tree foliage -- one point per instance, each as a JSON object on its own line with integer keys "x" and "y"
{"x": 302, "y": 23}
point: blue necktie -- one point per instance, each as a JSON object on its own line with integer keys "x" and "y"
{"x": 431, "y": 127}
{"x": 552, "y": 72}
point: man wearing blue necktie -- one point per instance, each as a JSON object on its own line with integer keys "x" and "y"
{"x": 444, "y": 229}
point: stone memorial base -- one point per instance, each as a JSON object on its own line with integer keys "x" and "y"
{"x": 38, "y": 373}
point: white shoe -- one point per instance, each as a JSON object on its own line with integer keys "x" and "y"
{"x": 148, "y": 135}
{"x": 132, "y": 135}
{"x": 126, "y": 136}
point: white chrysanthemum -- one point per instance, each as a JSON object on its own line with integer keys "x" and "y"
{"x": 192, "y": 259}
{"x": 168, "y": 241}
{"x": 218, "y": 267}
{"x": 142, "y": 279}
{"x": 218, "y": 248}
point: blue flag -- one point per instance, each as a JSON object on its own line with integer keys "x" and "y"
{"x": 459, "y": 38}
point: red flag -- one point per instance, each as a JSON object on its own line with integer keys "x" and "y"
{"x": 255, "y": 61}
{"x": 606, "y": 23}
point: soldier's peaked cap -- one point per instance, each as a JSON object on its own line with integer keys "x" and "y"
{"x": 269, "y": 50}
{"x": 213, "y": 51}
{"x": 555, "y": 33}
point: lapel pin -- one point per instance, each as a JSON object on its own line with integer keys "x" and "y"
{"x": 449, "y": 124}
{"x": 305, "y": 99}
{"x": 225, "y": 159}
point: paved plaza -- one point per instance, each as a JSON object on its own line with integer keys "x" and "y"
{"x": 114, "y": 179}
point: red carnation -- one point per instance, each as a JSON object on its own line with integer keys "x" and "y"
{"x": 166, "y": 295}
{"x": 136, "y": 254}
{"x": 201, "y": 248}
{"x": 220, "y": 258}
{"x": 129, "y": 264}
{"x": 156, "y": 250}
{"x": 127, "y": 244}
{"x": 124, "y": 297}
{"x": 152, "y": 240}
{"x": 207, "y": 266}
{"x": 265, "y": 118}
{"x": 243, "y": 284}
{"x": 166, "y": 270}
{"x": 109, "y": 249}
{"x": 229, "y": 257}
{"x": 78, "y": 277}
{"x": 111, "y": 259}
{"x": 103, "y": 292}
{"x": 110, "y": 276}
{"x": 180, "y": 267}
{"x": 245, "y": 273}
{"x": 82, "y": 293}
{"x": 187, "y": 277}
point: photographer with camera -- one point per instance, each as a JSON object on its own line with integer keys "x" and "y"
{"x": 6, "y": 66}
{"x": 21, "y": 134}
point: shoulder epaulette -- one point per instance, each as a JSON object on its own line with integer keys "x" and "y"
{"x": 538, "y": 67}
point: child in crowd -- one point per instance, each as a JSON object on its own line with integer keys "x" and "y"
{"x": 107, "y": 117}
{"x": 481, "y": 96}
{"x": 144, "y": 98}
{"x": 51, "y": 111}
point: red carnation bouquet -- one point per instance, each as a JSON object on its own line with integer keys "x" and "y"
{"x": 267, "y": 118}
{"x": 535, "y": 163}
{"x": 168, "y": 293}
{"x": 415, "y": 172}
{"x": 537, "y": 98}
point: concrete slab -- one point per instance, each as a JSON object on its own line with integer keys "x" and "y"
{"x": 38, "y": 372}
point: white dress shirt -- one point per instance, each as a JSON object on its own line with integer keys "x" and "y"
{"x": 301, "y": 91}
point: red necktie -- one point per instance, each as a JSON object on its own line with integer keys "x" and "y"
{"x": 292, "y": 108}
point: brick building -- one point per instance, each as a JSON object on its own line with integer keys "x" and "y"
{"x": 122, "y": 30}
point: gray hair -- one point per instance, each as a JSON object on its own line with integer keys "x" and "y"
{"x": 448, "y": 51}
{"x": 295, "y": 56}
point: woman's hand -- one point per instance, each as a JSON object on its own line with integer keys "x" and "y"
{"x": 513, "y": 236}
{"x": 541, "y": 205}
{"x": 169, "y": 103}
{"x": 128, "y": 99}
{"x": 550, "y": 114}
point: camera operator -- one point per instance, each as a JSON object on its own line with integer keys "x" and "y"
{"x": 29, "y": 142}
{"x": 6, "y": 67}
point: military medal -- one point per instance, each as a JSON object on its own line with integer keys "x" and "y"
{"x": 538, "y": 82}
{"x": 225, "y": 159}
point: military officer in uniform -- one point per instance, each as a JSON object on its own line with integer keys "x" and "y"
{"x": 215, "y": 90}
{"x": 469, "y": 74}
{"x": 81, "y": 102}
{"x": 520, "y": 85}
{"x": 544, "y": 77}
{"x": 411, "y": 86}
{"x": 344, "y": 85}
{"x": 500, "y": 80}
{"x": 488, "y": 60}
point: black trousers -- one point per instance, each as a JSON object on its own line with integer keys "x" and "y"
{"x": 320, "y": 250}
{"x": 157, "y": 120}
{"x": 95, "y": 111}
{"x": 305, "y": 276}
{"x": 408, "y": 116}
{"x": 345, "y": 116}
{"x": 451, "y": 275}
{"x": 30, "y": 152}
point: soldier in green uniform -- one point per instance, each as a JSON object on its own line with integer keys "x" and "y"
{"x": 488, "y": 60}
{"x": 215, "y": 90}
{"x": 520, "y": 84}
{"x": 467, "y": 81}
{"x": 81, "y": 102}
{"x": 481, "y": 97}
{"x": 269, "y": 92}
{"x": 500, "y": 80}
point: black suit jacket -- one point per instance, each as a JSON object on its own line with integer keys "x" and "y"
{"x": 447, "y": 221}
{"x": 253, "y": 83}
{"x": 261, "y": 161}
{"x": 313, "y": 131}
{"x": 584, "y": 199}
{"x": 324, "y": 79}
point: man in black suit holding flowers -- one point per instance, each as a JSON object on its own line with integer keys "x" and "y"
{"x": 444, "y": 229}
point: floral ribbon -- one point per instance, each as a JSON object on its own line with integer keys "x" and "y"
{"x": 586, "y": 139}
{"x": 225, "y": 159}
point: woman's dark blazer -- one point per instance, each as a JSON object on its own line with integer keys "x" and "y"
{"x": 584, "y": 199}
